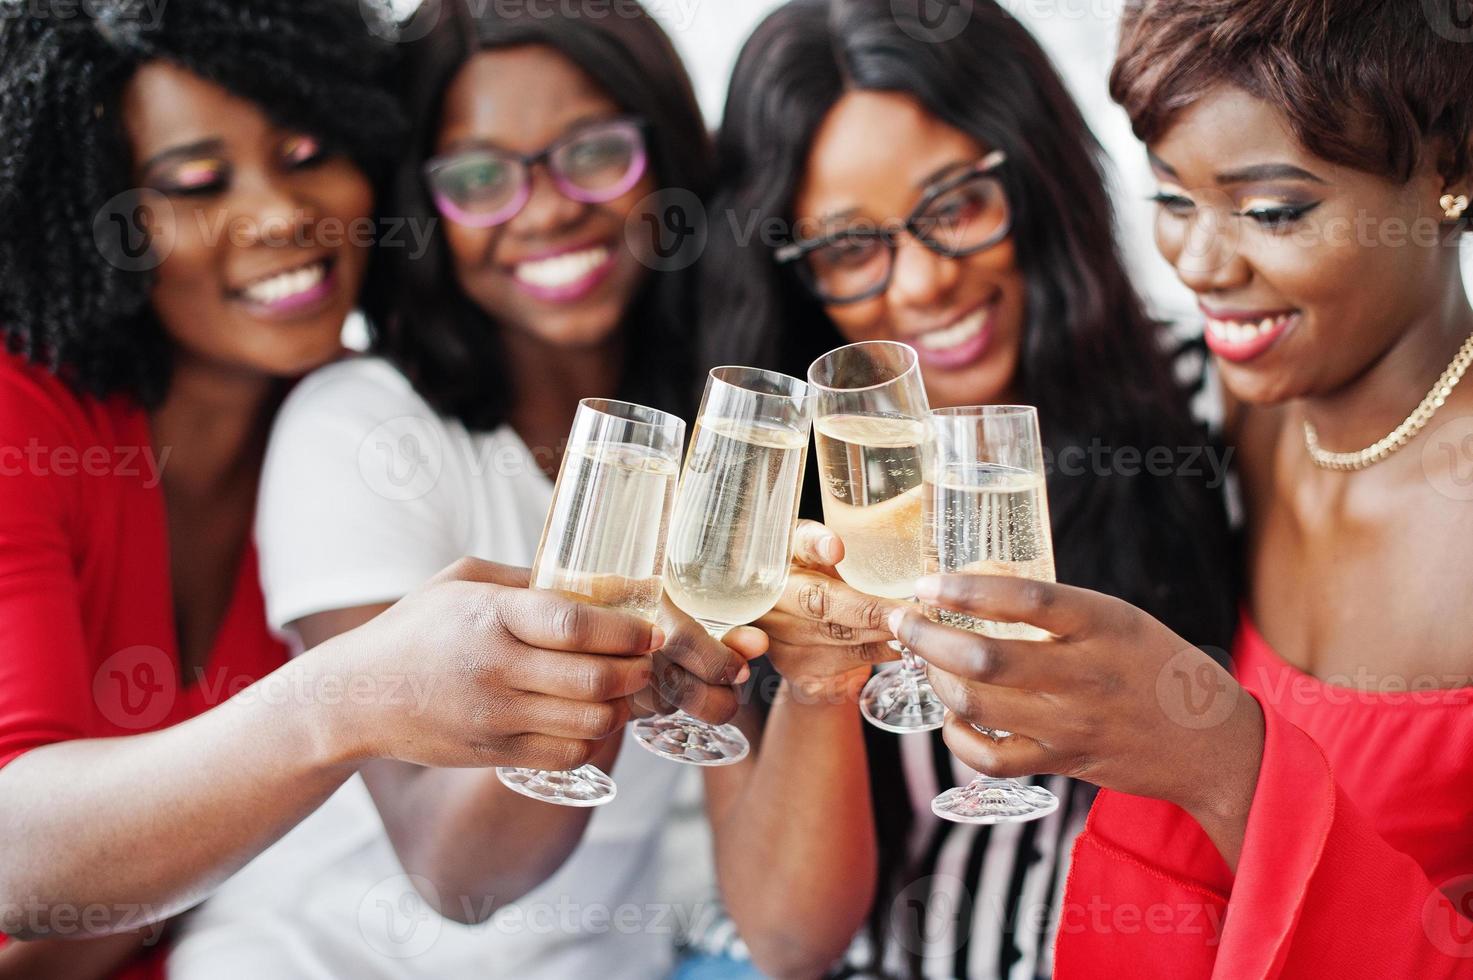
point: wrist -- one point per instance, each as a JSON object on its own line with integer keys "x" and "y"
{"x": 839, "y": 692}
{"x": 1223, "y": 797}
{"x": 339, "y": 730}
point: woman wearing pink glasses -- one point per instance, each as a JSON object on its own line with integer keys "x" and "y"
{"x": 538, "y": 144}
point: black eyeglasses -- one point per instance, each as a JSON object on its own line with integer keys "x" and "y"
{"x": 963, "y": 215}
{"x": 593, "y": 164}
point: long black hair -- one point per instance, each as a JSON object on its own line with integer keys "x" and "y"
{"x": 446, "y": 344}
{"x": 1096, "y": 365}
{"x": 314, "y": 65}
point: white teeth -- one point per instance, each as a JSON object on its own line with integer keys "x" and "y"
{"x": 1241, "y": 332}
{"x": 281, "y": 287}
{"x": 956, "y": 334}
{"x": 561, "y": 270}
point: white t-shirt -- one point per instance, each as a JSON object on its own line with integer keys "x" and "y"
{"x": 366, "y": 493}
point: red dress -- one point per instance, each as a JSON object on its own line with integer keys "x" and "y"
{"x": 1360, "y": 833}
{"x": 88, "y": 646}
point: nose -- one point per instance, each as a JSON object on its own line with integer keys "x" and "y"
{"x": 1206, "y": 252}
{"x": 548, "y": 209}
{"x": 267, "y": 212}
{"x": 921, "y": 278}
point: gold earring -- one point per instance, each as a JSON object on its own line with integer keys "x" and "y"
{"x": 1454, "y": 207}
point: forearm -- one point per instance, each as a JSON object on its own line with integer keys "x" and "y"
{"x": 132, "y": 830}
{"x": 795, "y": 845}
{"x": 478, "y": 843}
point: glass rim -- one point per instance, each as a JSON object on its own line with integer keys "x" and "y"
{"x": 910, "y": 352}
{"x": 984, "y": 411}
{"x": 805, "y": 390}
{"x": 632, "y": 413}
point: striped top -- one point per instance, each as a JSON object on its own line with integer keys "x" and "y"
{"x": 960, "y": 900}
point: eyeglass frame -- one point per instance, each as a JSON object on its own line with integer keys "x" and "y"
{"x": 639, "y": 166}
{"x": 795, "y": 252}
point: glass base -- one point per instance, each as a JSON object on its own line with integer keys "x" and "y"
{"x": 683, "y": 738}
{"x": 584, "y": 786}
{"x": 900, "y": 700}
{"x": 988, "y": 800}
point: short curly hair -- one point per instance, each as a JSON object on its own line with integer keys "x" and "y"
{"x": 1363, "y": 83}
{"x": 317, "y": 65}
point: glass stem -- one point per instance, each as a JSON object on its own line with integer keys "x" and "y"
{"x": 912, "y": 670}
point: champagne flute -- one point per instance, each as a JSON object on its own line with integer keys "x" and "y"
{"x": 986, "y": 513}
{"x": 605, "y": 539}
{"x": 731, "y": 539}
{"x": 870, "y": 422}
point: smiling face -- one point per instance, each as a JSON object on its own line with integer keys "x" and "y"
{"x": 872, "y": 161}
{"x": 260, "y": 264}
{"x": 1308, "y": 272}
{"x": 559, "y": 272}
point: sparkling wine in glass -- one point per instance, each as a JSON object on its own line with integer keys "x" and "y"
{"x": 986, "y": 513}
{"x": 605, "y": 539}
{"x": 870, "y": 410}
{"x": 731, "y": 539}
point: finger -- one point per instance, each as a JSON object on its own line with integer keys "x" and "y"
{"x": 748, "y": 642}
{"x": 815, "y": 546}
{"x": 822, "y": 599}
{"x": 576, "y": 676}
{"x": 679, "y": 687}
{"x": 1029, "y": 664}
{"x": 541, "y": 714}
{"x": 1005, "y": 758}
{"x": 647, "y": 703}
{"x": 546, "y": 752}
{"x": 802, "y": 660}
{"x": 487, "y": 572}
{"x": 986, "y": 706}
{"x": 1062, "y": 610}
{"x": 563, "y": 621}
{"x": 784, "y": 627}
{"x": 711, "y": 661}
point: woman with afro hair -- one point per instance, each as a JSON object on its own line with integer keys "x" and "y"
{"x": 186, "y": 220}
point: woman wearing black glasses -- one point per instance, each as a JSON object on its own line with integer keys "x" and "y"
{"x": 941, "y": 190}
{"x": 537, "y": 141}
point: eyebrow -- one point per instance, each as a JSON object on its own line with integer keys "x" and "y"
{"x": 184, "y": 153}
{"x": 941, "y": 172}
{"x": 582, "y": 122}
{"x": 1246, "y": 175}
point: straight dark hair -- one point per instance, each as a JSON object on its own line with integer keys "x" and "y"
{"x": 1096, "y": 365}
{"x": 448, "y": 346}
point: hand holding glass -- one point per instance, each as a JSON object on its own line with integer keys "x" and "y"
{"x": 605, "y": 539}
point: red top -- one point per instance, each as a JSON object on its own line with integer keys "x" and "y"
{"x": 1361, "y": 830}
{"x": 86, "y": 603}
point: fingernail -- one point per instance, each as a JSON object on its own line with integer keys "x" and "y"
{"x": 657, "y": 640}
{"x": 896, "y": 617}
{"x": 928, "y": 587}
{"x": 829, "y": 549}
{"x": 744, "y": 674}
